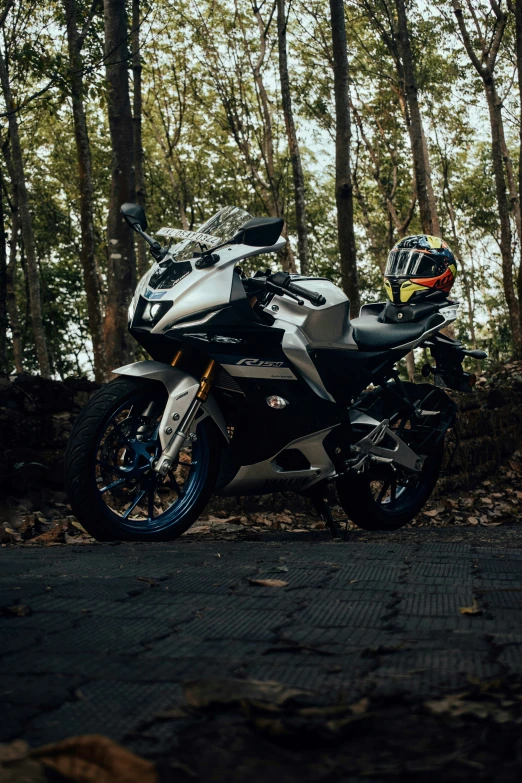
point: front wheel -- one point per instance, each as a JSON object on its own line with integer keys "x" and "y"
{"x": 113, "y": 489}
{"x": 382, "y": 498}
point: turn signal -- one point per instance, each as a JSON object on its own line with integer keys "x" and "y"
{"x": 278, "y": 403}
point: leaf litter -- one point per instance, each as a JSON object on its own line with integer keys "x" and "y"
{"x": 84, "y": 759}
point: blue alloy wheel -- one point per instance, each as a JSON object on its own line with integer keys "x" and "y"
{"x": 114, "y": 491}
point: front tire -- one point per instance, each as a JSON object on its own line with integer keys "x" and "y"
{"x": 377, "y": 500}
{"x": 112, "y": 488}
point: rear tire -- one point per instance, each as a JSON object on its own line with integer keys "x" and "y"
{"x": 100, "y": 453}
{"x": 359, "y": 495}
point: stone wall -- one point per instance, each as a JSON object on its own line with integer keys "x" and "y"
{"x": 36, "y": 417}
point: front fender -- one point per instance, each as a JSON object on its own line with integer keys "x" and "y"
{"x": 181, "y": 387}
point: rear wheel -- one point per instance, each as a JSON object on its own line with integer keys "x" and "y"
{"x": 384, "y": 498}
{"x": 113, "y": 489}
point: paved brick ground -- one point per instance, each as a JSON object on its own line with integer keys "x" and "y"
{"x": 114, "y": 630}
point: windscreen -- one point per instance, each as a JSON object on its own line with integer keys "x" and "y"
{"x": 413, "y": 263}
{"x": 220, "y": 228}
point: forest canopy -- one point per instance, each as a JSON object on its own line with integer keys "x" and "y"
{"x": 359, "y": 123}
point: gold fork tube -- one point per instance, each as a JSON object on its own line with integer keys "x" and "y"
{"x": 176, "y": 359}
{"x": 206, "y": 381}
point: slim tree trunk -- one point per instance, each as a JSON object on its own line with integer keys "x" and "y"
{"x": 343, "y": 174}
{"x": 518, "y": 29}
{"x": 425, "y": 195}
{"x": 143, "y": 259}
{"x": 121, "y": 264}
{"x": 293, "y": 144}
{"x": 12, "y": 308}
{"x": 3, "y": 284}
{"x": 26, "y": 224}
{"x": 513, "y": 304}
{"x": 485, "y": 69}
{"x": 91, "y": 276}
{"x": 410, "y": 366}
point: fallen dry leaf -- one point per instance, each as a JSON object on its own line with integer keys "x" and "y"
{"x": 268, "y": 582}
{"x": 457, "y": 704}
{"x": 16, "y": 610}
{"x": 473, "y": 520}
{"x": 51, "y": 536}
{"x": 202, "y": 693}
{"x": 17, "y": 767}
{"x": 151, "y": 582}
{"x": 95, "y": 759}
{"x": 473, "y": 609}
{"x": 174, "y": 714}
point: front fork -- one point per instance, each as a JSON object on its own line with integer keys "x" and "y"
{"x": 170, "y": 453}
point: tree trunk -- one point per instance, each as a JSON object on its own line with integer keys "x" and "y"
{"x": 143, "y": 258}
{"x": 512, "y": 301}
{"x": 425, "y": 196}
{"x": 26, "y": 223}
{"x": 3, "y": 284}
{"x": 518, "y": 29}
{"x": 343, "y": 174}
{"x": 293, "y": 144}
{"x": 91, "y": 274}
{"x": 121, "y": 264}
{"x": 410, "y": 366}
{"x": 12, "y": 308}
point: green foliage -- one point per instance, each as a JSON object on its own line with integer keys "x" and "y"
{"x": 207, "y": 144}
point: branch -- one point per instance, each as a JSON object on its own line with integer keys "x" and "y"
{"x": 457, "y": 8}
{"x": 88, "y": 22}
{"x": 3, "y": 15}
{"x": 495, "y": 45}
{"x": 411, "y": 209}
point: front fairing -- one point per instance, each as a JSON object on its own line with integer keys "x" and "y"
{"x": 189, "y": 293}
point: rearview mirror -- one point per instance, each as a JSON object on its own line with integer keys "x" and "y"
{"x": 134, "y": 215}
{"x": 259, "y": 232}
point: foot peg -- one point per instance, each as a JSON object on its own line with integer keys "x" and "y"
{"x": 397, "y": 452}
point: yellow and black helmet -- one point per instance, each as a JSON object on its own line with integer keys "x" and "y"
{"x": 419, "y": 265}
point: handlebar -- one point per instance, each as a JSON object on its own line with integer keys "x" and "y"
{"x": 283, "y": 280}
{"x": 313, "y": 297}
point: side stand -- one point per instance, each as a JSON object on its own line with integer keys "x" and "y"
{"x": 321, "y": 504}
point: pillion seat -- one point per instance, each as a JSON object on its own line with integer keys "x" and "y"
{"x": 370, "y": 334}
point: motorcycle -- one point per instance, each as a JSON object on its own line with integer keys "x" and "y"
{"x": 260, "y": 384}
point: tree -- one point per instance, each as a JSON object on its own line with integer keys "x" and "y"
{"x": 425, "y": 195}
{"x": 121, "y": 264}
{"x": 293, "y": 144}
{"x": 484, "y": 63}
{"x": 91, "y": 274}
{"x": 11, "y": 304}
{"x": 26, "y": 223}
{"x": 518, "y": 38}
{"x": 391, "y": 24}
{"x": 343, "y": 175}
{"x": 3, "y": 283}
{"x": 143, "y": 261}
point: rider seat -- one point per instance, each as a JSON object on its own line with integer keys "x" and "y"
{"x": 371, "y": 334}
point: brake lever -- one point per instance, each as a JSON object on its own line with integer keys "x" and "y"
{"x": 276, "y": 289}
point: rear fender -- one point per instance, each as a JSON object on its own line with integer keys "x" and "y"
{"x": 182, "y": 389}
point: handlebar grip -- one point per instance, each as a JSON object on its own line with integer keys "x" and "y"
{"x": 312, "y": 296}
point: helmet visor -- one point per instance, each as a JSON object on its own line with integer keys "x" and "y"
{"x": 414, "y": 263}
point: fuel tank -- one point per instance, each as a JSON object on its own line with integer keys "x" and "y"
{"x": 327, "y": 326}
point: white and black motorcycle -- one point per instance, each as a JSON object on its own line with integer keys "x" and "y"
{"x": 257, "y": 385}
